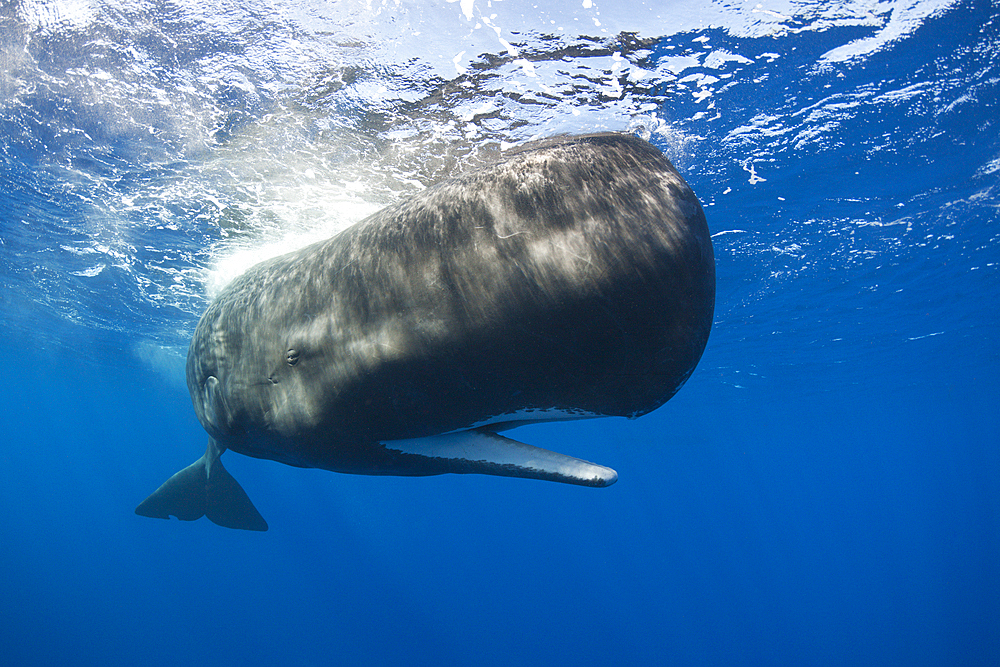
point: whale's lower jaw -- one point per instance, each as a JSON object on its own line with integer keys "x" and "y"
{"x": 483, "y": 451}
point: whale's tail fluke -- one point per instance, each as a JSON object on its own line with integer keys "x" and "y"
{"x": 204, "y": 488}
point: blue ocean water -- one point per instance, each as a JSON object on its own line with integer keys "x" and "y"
{"x": 825, "y": 490}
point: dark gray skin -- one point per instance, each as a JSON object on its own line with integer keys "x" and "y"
{"x": 574, "y": 278}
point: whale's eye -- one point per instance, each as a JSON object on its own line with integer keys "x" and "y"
{"x": 292, "y": 357}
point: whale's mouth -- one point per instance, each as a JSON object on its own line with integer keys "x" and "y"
{"x": 484, "y": 452}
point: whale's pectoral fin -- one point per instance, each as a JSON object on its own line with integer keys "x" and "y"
{"x": 485, "y": 452}
{"x": 204, "y": 488}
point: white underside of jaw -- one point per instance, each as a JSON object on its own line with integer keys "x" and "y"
{"x": 490, "y": 453}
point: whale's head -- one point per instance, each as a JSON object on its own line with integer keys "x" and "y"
{"x": 255, "y": 370}
{"x": 209, "y": 375}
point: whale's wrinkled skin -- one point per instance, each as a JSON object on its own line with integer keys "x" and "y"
{"x": 573, "y": 279}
